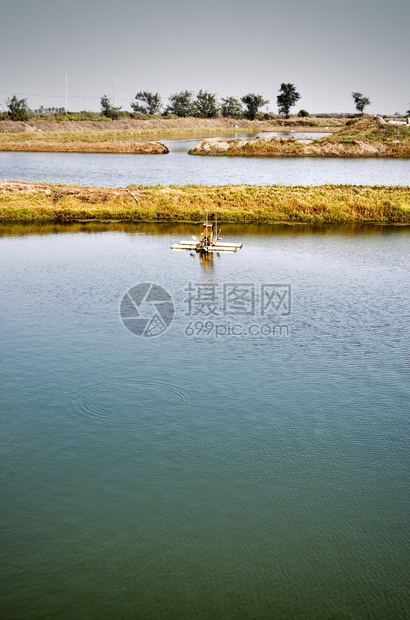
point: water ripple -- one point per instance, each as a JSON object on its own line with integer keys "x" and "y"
{"x": 130, "y": 401}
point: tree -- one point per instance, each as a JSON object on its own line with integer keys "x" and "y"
{"x": 360, "y": 101}
{"x": 288, "y": 97}
{"x": 303, "y": 113}
{"x": 408, "y": 112}
{"x": 18, "y": 109}
{"x": 181, "y": 104}
{"x": 147, "y": 103}
{"x": 205, "y": 105}
{"x": 231, "y": 107}
{"x": 253, "y": 103}
{"x": 107, "y": 109}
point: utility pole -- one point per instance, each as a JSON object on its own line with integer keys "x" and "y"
{"x": 66, "y": 88}
{"x": 266, "y": 105}
{"x": 113, "y": 94}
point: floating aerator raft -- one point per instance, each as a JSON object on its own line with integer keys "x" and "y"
{"x": 209, "y": 240}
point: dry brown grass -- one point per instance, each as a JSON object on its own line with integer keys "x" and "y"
{"x": 146, "y": 148}
{"x": 234, "y": 203}
{"x": 162, "y": 125}
{"x": 364, "y": 139}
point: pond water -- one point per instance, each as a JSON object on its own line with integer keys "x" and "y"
{"x": 183, "y": 144}
{"x": 179, "y": 168}
{"x": 206, "y": 472}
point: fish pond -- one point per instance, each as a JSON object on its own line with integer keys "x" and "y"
{"x": 179, "y": 168}
{"x": 241, "y": 455}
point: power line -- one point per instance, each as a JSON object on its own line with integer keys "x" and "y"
{"x": 6, "y": 92}
{"x": 44, "y": 96}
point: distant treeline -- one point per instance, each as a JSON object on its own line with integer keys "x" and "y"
{"x": 180, "y": 105}
{"x": 147, "y": 105}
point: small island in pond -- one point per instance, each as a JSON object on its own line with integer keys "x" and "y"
{"x": 113, "y": 146}
{"x": 359, "y": 138}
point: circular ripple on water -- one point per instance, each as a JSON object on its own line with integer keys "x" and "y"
{"x": 130, "y": 401}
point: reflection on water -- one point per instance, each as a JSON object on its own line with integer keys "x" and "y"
{"x": 207, "y": 262}
{"x": 189, "y": 229}
{"x": 182, "y": 145}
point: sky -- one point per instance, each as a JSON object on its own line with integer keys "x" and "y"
{"x": 326, "y": 48}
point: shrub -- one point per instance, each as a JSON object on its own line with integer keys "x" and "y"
{"x": 108, "y": 110}
{"x": 169, "y": 115}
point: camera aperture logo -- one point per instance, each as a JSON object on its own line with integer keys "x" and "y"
{"x": 212, "y": 309}
{"x": 147, "y": 310}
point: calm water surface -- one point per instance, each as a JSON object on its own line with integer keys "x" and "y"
{"x": 195, "y": 477}
{"x": 179, "y": 168}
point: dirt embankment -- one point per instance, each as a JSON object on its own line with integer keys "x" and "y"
{"x": 142, "y": 148}
{"x": 166, "y": 125}
{"x": 132, "y": 125}
{"x": 360, "y": 139}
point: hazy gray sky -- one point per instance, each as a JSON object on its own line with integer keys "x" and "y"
{"x": 327, "y": 48}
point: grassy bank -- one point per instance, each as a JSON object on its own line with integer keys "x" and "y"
{"x": 364, "y": 138}
{"x": 37, "y": 146}
{"x": 42, "y": 202}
